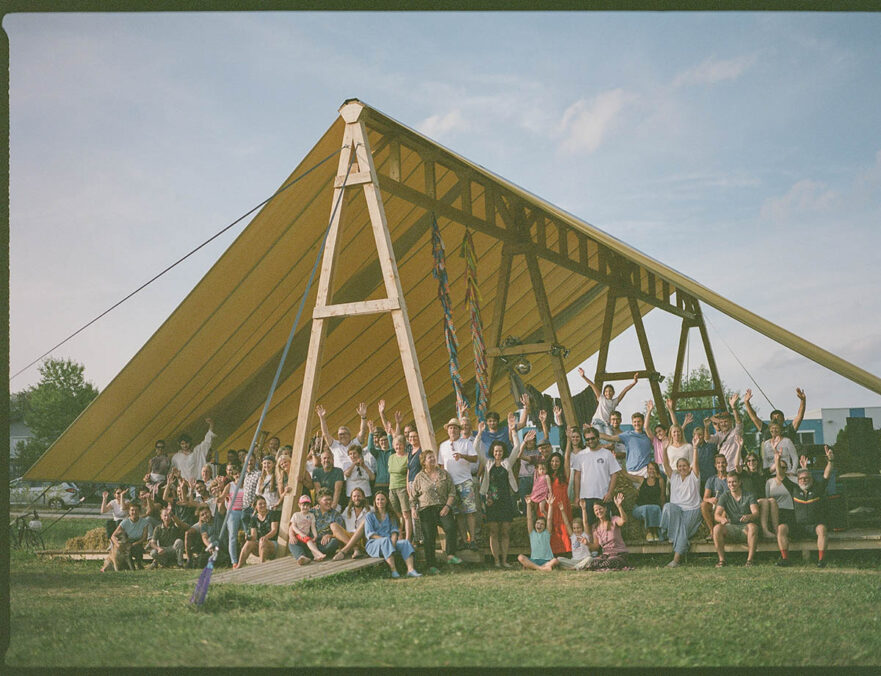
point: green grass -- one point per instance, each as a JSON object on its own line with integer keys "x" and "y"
{"x": 652, "y": 616}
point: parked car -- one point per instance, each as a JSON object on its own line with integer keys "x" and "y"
{"x": 52, "y": 494}
{"x": 93, "y": 490}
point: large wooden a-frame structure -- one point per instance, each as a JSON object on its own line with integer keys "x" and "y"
{"x": 565, "y": 288}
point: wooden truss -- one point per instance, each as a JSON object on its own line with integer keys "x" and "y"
{"x": 353, "y": 172}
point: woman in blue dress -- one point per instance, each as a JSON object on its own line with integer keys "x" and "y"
{"x": 383, "y": 537}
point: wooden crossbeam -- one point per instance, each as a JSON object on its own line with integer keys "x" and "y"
{"x": 514, "y": 350}
{"x": 399, "y": 189}
{"x": 364, "y": 307}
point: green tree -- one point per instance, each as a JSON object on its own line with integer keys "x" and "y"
{"x": 697, "y": 380}
{"x": 50, "y": 406}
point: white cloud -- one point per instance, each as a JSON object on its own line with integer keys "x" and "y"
{"x": 438, "y": 125}
{"x": 586, "y": 123}
{"x": 712, "y": 71}
{"x": 804, "y": 197}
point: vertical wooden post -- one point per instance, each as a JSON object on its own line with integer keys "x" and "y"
{"x": 649, "y": 362}
{"x": 605, "y": 338}
{"x": 550, "y": 335}
{"x": 354, "y": 139}
{"x": 711, "y": 361}
{"x": 498, "y": 316}
{"x": 680, "y": 357}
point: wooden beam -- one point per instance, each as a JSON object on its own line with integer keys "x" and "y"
{"x": 696, "y": 393}
{"x": 498, "y": 319}
{"x": 649, "y": 362}
{"x": 680, "y": 354}
{"x": 625, "y": 375}
{"x": 465, "y": 192}
{"x": 399, "y": 189}
{"x": 547, "y": 319}
{"x": 353, "y": 179}
{"x": 515, "y": 350}
{"x": 711, "y": 361}
{"x": 364, "y": 307}
{"x": 395, "y": 159}
{"x": 312, "y": 367}
{"x": 605, "y": 337}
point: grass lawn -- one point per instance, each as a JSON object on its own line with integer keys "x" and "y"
{"x": 64, "y": 613}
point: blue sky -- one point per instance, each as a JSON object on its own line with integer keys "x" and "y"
{"x": 742, "y": 149}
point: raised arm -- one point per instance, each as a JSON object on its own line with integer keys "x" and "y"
{"x": 380, "y": 406}
{"x": 524, "y": 410}
{"x": 558, "y": 416}
{"x": 596, "y": 390}
{"x": 362, "y": 430}
{"x": 325, "y": 430}
{"x": 778, "y": 468}
{"x": 647, "y": 427}
{"x": 802, "y": 402}
{"x": 665, "y": 457}
{"x": 529, "y": 520}
{"x": 829, "y": 456}
{"x": 694, "y": 467}
{"x": 543, "y": 419}
{"x": 619, "y": 502}
{"x": 749, "y": 409}
{"x": 671, "y": 411}
{"x": 550, "y": 524}
{"x": 629, "y": 387}
{"x": 732, "y": 401}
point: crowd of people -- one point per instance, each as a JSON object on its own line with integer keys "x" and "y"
{"x": 379, "y": 493}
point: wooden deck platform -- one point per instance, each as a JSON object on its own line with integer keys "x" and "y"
{"x": 288, "y": 571}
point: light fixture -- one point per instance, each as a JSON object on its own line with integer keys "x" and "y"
{"x": 522, "y": 366}
{"x": 655, "y": 377}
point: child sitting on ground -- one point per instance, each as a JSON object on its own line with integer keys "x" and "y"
{"x": 540, "y": 555}
{"x": 580, "y": 544}
{"x": 303, "y": 528}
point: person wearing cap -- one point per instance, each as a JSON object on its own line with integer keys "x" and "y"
{"x": 456, "y": 456}
{"x": 809, "y": 507}
{"x": 302, "y": 530}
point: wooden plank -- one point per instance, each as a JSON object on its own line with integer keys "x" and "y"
{"x": 498, "y": 319}
{"x": 582, "y": 250}
{"x": 711, "y": 361}
{"x": 547, "y": 319}
{"x": 395, "y": 159}
{"x": 680, "y": 356}
{"x": 696, "y": 393}
{"x": 353, "y": 179}
{"x": 394, "y": 290}
{"x": 623, "y": 375}
{"x": 465, "y": 192}
{"x": 514, "y": 350}
{"x": 563, "y": 240}
{"x": 430, "y": 180}
{"x": 364, "y": 307}
{"x": 293, "y": 572}
{"x": 605, "y": 337}
{"x": 660, "y": 408}
{"x": 312, "y": 366}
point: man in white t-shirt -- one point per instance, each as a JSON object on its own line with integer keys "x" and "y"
{"x": 456, "y": 455}
{"x": 594, "y": 474}
{"x": 353, "y": 533}
{"x": 340, "y": 447}
{"x": 190, "y": 459}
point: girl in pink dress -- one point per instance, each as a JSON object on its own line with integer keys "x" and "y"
{"x": 560, "y": 540}
{"x": 541, "y": 488}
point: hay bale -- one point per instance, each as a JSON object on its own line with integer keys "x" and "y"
{"x": 95, "y": 539}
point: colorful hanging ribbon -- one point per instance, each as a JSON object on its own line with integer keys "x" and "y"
{"x": 472, "y": 297}
{"x": 443, "y": 295}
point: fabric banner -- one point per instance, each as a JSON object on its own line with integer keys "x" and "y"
{"x": 472, "y": 297}
{"x": 443, "y": 295}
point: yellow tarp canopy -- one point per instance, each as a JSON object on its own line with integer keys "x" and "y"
{"x": 218, "y": 351}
